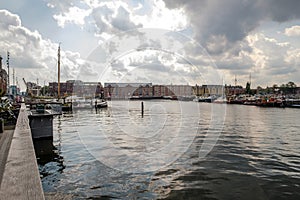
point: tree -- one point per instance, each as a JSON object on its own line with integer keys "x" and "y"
{"x": 259, "y": 89}
{"x": 288, "y": 88}
{"x": 248, "y": 89}
{"x": 291, "y": 84}
{"x": 267, "y": 90}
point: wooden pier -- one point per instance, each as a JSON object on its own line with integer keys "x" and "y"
{"x": 20, "y": 177}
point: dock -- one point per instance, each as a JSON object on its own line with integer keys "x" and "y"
{"x": 20, "y": 178}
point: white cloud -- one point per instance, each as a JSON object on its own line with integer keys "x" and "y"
{"x": 10, "y": 19}
{"x": 273, "y": 61}
{"x": 235, "y": 33}
{"x": 31, "y": 55}
{"x": 122, "y": 20}
{"x": 292, "y": 31}
{"x": 162, "y": 17}
{"x": 292, "y": 57}
{"x": 110, "y": 17}
{"x": 74, "y": 15}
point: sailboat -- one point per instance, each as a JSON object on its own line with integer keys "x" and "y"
{"x": 223, "y": 98}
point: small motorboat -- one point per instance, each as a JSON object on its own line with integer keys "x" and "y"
{"x": 100, "y": 103}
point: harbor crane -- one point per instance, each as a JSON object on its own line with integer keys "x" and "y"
{"x": 28, "y": 90}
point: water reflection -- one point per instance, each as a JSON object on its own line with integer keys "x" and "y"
{"x": 257, "y": 156}
{"x": 49, "y": 157}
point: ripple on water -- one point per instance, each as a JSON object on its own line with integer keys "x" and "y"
{"x": 256, "y": 156}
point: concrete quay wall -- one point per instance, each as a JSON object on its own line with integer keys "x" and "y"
{"x": 21, "y": 178}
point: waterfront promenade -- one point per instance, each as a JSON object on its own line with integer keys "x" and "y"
{"x": 5, "y": 141}
{"x": 20, "y": 175}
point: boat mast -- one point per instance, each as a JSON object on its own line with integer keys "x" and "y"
{"x": 14, "y": 83}
{"x": 250, "y": 79}
{"x": 58, "y": 65}
{"x": 235, "y": 80}
{"x": 235, "y": 84}
{"x": 7, "y": 62}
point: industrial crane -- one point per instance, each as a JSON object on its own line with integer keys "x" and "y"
{"x": 27, "y": 88}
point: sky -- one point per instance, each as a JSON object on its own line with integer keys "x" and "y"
{"x": 159, "y": 41}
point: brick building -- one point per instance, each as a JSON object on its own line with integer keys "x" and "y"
{"x": 76, "y": 87}
{"x": 127, "y": 90}
{"x": 234, "y": 90}
{"x": 209, "y": 90}
{"x": 161, "y": 91}
{"x": 3, "y": 79}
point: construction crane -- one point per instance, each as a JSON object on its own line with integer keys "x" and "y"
{"x": 27, "y": 88}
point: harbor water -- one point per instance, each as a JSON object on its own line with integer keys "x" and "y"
{"x": 175, "y": 150}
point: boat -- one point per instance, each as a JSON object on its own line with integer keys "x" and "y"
{"x": 196, "y": 99}
{"x": 220, "y": 100}
{"x": 292, "y": 103}
{"x": 208, "y": 99}
{"x": 234, "y": 99}
{"x": 270, "y": 102}
{"x": 185, "y": 98}
{"x": 66, "y": 107}
{"x": 295, "y": 106}
{"x": 79, "y": 102}
{"x": 174, "y": 97}
{"x": 251, "y": 101}
{"x": 100, "y": 103}
{"x": 143, "y": 98}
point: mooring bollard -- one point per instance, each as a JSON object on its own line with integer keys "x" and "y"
{"x": 142, "y": 108}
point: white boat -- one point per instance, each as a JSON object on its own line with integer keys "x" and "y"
{"x": 196, "y": 99}
{"x": 100, "y": 103}
{"x": 220, "y": 100}
{"x": 80, "y": 102}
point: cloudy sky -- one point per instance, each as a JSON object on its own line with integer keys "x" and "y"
{"x": 158, "y": 41}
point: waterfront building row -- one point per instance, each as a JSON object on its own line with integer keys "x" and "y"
{"x": 3, "y": 79}
{"x": 76, "y": 87}
{"x": 129, "y": 90}
{"x": 146, "y": 90}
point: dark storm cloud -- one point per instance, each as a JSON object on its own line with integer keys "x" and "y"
{"x": 279, "y": 70}
{"x": 281, "y": 11}
{"x": 226, "y": 22}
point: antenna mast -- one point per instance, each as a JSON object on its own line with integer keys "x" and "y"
{"x": 58, "y": 65}
{"x": 250, "y": 79}
{"x": 7, "y": 62}
{"x": 235, "y": 80}
{"x": 14, "y": 76}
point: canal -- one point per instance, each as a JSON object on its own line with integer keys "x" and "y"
{"x": 175, "y": 150}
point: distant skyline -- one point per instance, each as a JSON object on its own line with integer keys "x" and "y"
{"x": 240, "y": 37}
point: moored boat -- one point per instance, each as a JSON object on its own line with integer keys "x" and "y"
{"x": 220, "y": 100}
{"x": 270, "y": 102}
{"x": 79, "y": 102}
{"x": 100, "y": 103}
{"x": 292, "y": 103}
